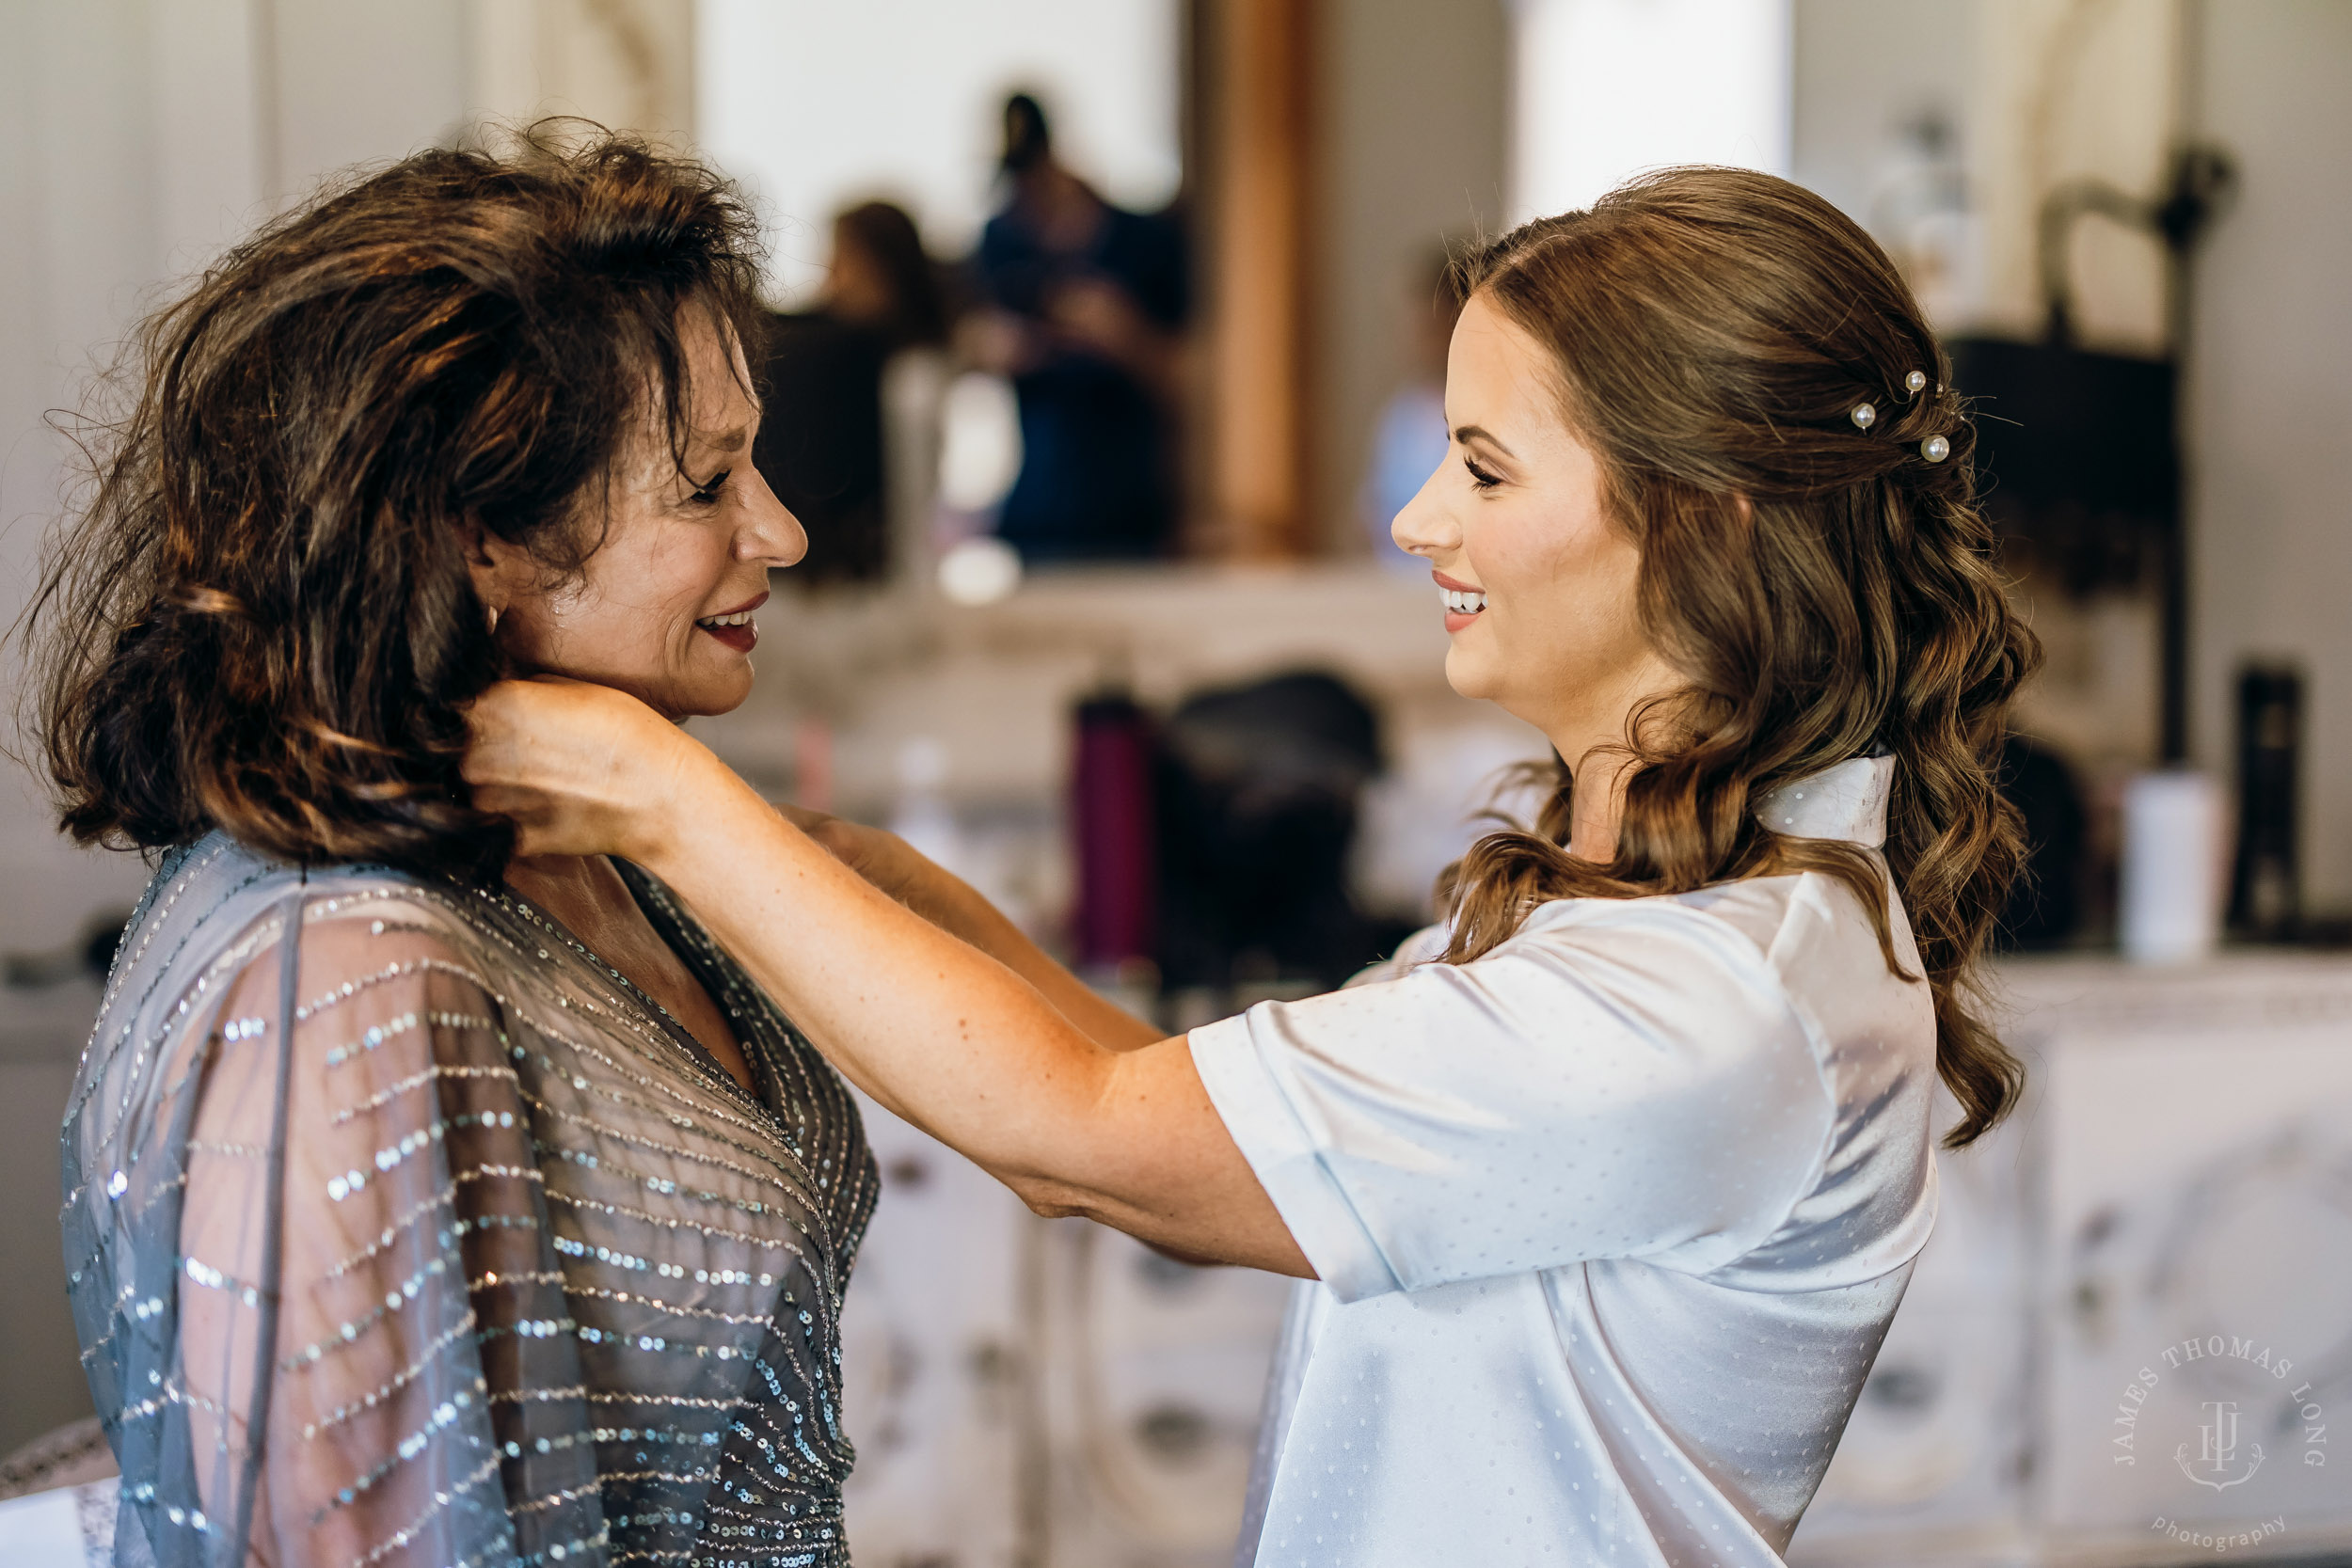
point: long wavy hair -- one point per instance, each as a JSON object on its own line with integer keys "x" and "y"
{"x": 260, "y": 619}
{"x": 1825, "y": 587}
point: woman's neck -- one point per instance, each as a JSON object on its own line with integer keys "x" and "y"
{"x": 1596, "y": 805}
{"x": 586, "y": 894}
{"x": 1596, "y": 738}
{"x": 575, "y": 889}
{"x": 575, "y": 873}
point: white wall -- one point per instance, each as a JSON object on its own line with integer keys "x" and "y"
{"x": 76, "y": 239}
{"x": 1604, "y": 89}
{"x": 138, "y": 137}
{"x": 2271, "y": 398}
{"x": 82, "y": 240}
{"x": 141, "y": 138}
{"x": 1862, "y": 69}
{"x": 357, "y": 81}
{"x": 2035, "y": 93}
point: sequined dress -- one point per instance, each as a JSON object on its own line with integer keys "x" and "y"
{"x": 445, "y": 1245}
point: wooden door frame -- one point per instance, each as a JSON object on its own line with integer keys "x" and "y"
{"x": 1250, "y": 146}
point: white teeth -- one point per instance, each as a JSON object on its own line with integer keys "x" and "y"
{"x": 1462, "y": 602}
{"x": 740, "y": 618}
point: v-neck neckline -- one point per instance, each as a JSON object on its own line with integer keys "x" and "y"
{"x": 661, "y": 1017}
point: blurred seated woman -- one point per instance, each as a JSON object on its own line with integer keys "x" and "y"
{"x": 852, "y": 388}
{"x": 427, "y": 1205}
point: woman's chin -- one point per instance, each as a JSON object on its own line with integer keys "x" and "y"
{"x": 707, "y": 703}
{"x": 1465, "y": 672}
{"x": 678, "y": 701}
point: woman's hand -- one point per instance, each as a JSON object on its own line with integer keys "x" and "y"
{"x": 582, "y": 769}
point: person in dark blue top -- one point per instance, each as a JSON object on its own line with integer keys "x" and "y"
{"x": 1082, "y": 304}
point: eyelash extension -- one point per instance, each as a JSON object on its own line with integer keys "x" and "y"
{"x": 1480, "y": 478}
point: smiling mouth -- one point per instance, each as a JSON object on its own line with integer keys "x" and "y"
{"x": 735, "y": 629}
{"x": 1462, "y": 601}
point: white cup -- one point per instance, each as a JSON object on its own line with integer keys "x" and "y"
{"x": 2171, "y": 905}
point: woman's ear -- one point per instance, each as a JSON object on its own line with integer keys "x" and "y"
{"x": 502, "y": 572}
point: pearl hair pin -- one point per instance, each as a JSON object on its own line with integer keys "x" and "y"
{"x": 1864, "y": 415}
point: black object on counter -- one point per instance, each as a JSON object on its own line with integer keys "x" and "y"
{"x": 2266, "y": 883}
{"x": 2046, "y": 904}
{"x": 1259, "y": 792}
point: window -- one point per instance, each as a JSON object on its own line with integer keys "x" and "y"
{"x": 1604, "y": 89}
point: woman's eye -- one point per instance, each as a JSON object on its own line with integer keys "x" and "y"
{"x": 1480, "y": 478}
{"x": 709, "y": 492}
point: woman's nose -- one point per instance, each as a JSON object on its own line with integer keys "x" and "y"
{"x": 770, "y": 533}
{"x": 1425, "y": 527}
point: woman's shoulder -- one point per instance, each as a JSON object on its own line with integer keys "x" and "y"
{"x": 1765, "y": 914}
{"x": 360, "y": 967}
{"x": 1785, "y": 953}
{"x": 1754, "y": 909}
{"x": 1751, "y": 914}
{"x": 215, "y": 909}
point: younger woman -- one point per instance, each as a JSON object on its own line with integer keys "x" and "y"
{"x": 1611, "y": 1185}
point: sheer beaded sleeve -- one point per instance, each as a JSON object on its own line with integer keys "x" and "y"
{"x": 415, "y": 1339}
{"x": 442, "y": 1244}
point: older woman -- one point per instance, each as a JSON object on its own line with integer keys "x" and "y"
{"x": 427, "y": 1204}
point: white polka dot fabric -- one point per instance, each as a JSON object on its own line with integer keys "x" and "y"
{"x": 1609, "y": 1224}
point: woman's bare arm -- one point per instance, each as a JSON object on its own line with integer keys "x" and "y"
{"x": 945, "y": 1034}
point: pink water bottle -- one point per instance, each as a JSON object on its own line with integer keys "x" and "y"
{"x": 1115, "y": 834}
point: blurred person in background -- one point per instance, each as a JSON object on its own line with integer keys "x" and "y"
{"x": 428, "y": 1203}
{"x": 1409, "y": 439}
{"x": 834, "y": 376}
{"x": 1083, "y": 305}
{"x": 1610, "y": 1184}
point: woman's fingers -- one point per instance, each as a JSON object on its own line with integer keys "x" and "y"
{"x": 532, "y": 812}
{"x": 865, "y": 850}
{"x": 507, "y": 733}
{"x": 579, "y": 767}
{"x": 815, "y": 824}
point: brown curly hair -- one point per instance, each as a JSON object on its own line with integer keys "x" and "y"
{"x": 261, "y": 619}
{"x": 1825, "y": 589}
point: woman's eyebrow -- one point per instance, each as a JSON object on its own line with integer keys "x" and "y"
{"x": 733, "y": 438}
{"x": 1472, "y": 432}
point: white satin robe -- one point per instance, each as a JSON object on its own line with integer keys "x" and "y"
{"x": 1609, "y": 1223}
